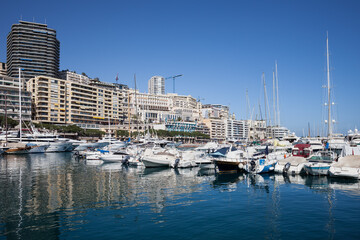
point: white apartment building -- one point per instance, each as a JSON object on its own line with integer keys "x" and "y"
{"x": 73, "y": 76}
{"x": 277, "y": 132}
{"x": 161, "y": 108}
{"x": 156, "y": 85}
{"x": 215, "y": 111}
{"x": 237, "y": 130}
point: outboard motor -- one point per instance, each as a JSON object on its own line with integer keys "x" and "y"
{"x": 126, "y": 161}
{"x": 177, "y": 161}
{"x": 286, "y": 167}
{"x": 252, "y": 165}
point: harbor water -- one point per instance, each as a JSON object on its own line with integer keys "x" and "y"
{"x": 54, "y": 196}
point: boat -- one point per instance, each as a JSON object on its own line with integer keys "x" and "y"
{"x": 348, "y": 167}
{"x": 24, "y": 148}
{"x": 119, "y": 157}
{"x": 294, "y": 164}
{"x": 232, "y": 161}
{"x": 165, "y": 157}
{"x": 260, "y": 166}
{"x": 153, "y": 157}
{"x": 320, "y": 162}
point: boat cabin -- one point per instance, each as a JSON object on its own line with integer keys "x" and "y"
{"x": 302, "y": 150}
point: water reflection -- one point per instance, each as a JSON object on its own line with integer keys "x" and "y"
{"x": 45, "y": 194}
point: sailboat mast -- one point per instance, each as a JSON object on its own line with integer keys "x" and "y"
{"x": 6, "y": 123}
{"x": 274, "y": 99}
{"x": 136, "y": 109}
{"x": 277, "y": 94}
{"x": 20, "y": 125}
{"x": 129, "y": 114}
{"x": 263, "y": 76}
{"x": 328, "y": 86}
{"x": 266, "y": 102}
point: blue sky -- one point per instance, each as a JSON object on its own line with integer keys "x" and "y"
{"x": 221, "y": 48}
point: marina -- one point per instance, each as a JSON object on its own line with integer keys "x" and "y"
{"x": 161, "y": 120}
{"x": 54, "y": 195}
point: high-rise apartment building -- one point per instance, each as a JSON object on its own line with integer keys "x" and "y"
{"x": 156, "y": 85}
{"x": 86, "y": 104}
{"x": 34, "y": 48}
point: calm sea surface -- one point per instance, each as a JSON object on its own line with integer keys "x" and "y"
{"x": 52, "y": 196}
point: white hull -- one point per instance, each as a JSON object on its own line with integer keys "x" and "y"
{"x": 317, "y": 169}
{"x": 348, "y": 167}
{"x": 164, "y": 161}
{"x": 346, "y": 172}
{"x": 59, "y": 147}
{"x": 291, "y": 165}
{"x": 113, "y": 158}
{"x": 279, "y": 168}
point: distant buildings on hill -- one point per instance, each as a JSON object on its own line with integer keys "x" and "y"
{"x": 67, "y": 97}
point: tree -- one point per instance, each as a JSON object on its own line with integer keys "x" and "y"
{"x": 11, "y": 123}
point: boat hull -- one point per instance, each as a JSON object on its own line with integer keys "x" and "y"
{"x": 226, "y": 166}
{"x": 154, "y": 162}
{"x": 344, "y": 172}
{"x": 317, "y": 169}
{"x": 113, "y": 158}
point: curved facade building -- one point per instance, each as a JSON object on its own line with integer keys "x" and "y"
{"x": 34, "y": 48}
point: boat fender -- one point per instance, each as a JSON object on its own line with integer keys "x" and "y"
{"x": 177, "y": 161}
{"x": 241, "y": 166}
{"x": 286, "y": 167}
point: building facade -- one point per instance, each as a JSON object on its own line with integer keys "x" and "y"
{"x": 34, "y": 48}
{"x": 3, "y": 69}
{"x": 88, "y": 105}
{"x": 9, "y": 99}
{"x": 237, "y": 130}
{"x": 156, "y": 85}
{"x": 73, "y": 76}
{"x": 217, "y": 129}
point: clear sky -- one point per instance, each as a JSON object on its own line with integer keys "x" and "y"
{"x": 221, "y": 47}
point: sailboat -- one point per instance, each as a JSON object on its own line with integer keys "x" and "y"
{"x": 320, "y": 162}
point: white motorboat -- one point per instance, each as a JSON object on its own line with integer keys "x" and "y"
{"x": 165, "y": 157}
{"x": 348, "y": 166}
{"x": 294, "y": 164}
{"x": 320, "y": 162}
{"x": 116, "y": 157}
{"x": 158, "y": 159}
